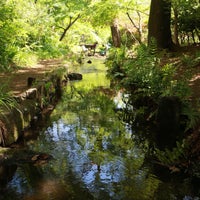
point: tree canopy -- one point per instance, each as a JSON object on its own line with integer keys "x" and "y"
{"x": 40, "y": 29}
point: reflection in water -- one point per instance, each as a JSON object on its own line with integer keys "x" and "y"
{"x": 95, "y": 154}
{"x": 6, "y": 174}
{"x": 95, "y": 162}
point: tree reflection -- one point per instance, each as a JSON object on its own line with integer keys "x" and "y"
{"x": 100, "y": 148}
{"x": 96, "y": 155}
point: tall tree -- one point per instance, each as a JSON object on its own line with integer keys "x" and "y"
{"x": 159, "y": 23}
{"x": 115, "y": 34}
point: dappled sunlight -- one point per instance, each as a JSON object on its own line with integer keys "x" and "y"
{"x": 113, "y": 89}
{"x": 95, "y": 155}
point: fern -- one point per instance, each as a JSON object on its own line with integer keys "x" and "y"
{"x": 152, "y": 48}
{"x": 174, "y": 156}
{"x": 193, "y": 116}
{"x": 6, "y": 101}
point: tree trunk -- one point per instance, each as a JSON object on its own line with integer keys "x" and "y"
{"x": 159, "y": 23}
{"x": 115, "y": 35}
{"x": 176, "y": 41}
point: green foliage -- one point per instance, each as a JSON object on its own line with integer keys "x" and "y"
{"x": 146, "y": 82}
{"x": 192, "y": 114}
{"x": 6, "y": 101}
{"x": 26, "y": 34}
{"x": 105, "y": 12}
{"x": 6, "y": 30}
{"x": 94, "y": 103}
{"x": 50, "y": 48}
{"x": 30, "y": 31}
{"x": 188, "y": 14}
{"x": 22, "y": 58}
{"x": 174, "y": 156}
{"x": 142, "y": 73}
{"x": 190, "y": 60}
{"x": 115, "y": 63}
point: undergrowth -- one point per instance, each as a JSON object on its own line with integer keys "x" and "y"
{"x": 6, "y": 100}
{"x": 143, "y": 76}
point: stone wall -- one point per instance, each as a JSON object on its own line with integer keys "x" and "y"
{"x": 30, "y": 105}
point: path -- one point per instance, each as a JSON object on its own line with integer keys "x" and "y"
{"x": 17, "y": 81}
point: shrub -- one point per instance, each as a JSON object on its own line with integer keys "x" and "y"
{"x": 145, "y": 80}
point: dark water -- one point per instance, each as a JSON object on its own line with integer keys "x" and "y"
{"x": 95, "y": 155}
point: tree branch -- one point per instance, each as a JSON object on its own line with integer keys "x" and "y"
{"x": 71, "y": 22}
{"x": 137, "y": 28}
{"x": 60, "y": 27}
{"x": 132, "y": 21}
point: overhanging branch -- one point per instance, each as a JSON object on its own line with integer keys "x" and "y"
{"x": 71, "y": 22}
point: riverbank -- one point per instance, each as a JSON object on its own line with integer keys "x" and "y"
{"x": 16, "y": 81}
{"x": 36, "y": 91}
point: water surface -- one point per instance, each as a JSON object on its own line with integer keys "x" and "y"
{"x": 95, "y": 155}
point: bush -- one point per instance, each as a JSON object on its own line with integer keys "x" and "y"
{"x": 143, "y": 73}
{"x": 145, "y": 80}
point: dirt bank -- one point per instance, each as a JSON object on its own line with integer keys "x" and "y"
{"x": 17, "y": 80}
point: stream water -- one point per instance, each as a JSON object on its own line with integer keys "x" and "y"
{"x": 95, "y": 155}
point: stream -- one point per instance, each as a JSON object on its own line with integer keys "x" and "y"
{"x": 94, "y": 155}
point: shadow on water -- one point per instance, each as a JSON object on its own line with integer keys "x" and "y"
{"x": 95, "y": 155}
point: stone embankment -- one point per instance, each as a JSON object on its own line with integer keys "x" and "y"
{"x": 30, "y": 106}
